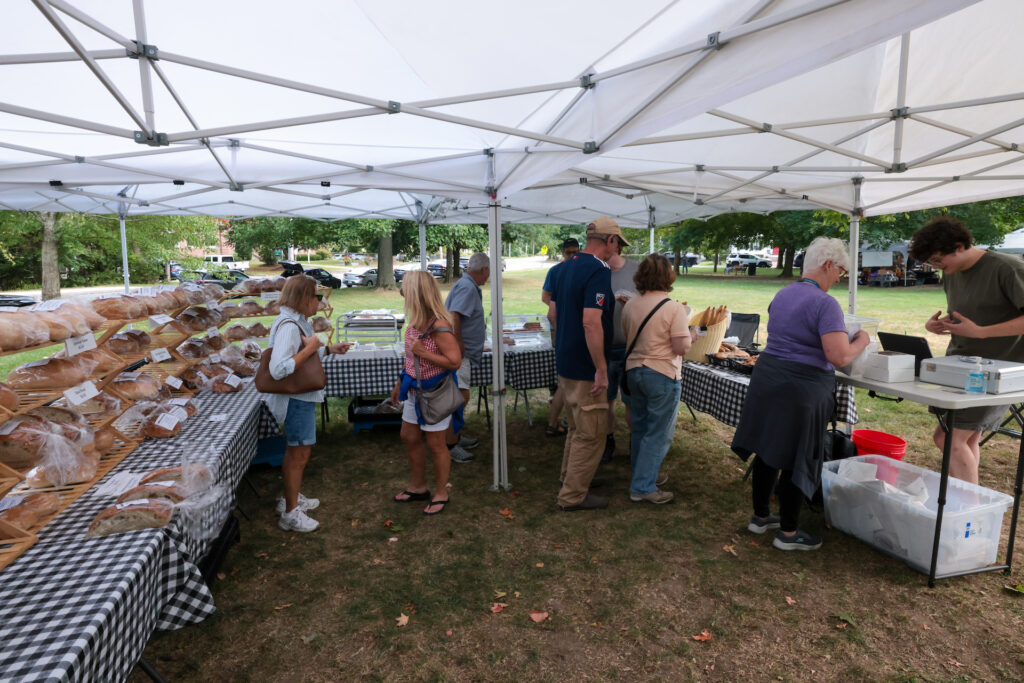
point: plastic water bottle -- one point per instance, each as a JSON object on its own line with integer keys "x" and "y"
{"x": 976, "y": 380}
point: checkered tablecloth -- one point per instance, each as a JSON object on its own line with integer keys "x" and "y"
{"x": 375, "y": 376}
{"x": 720, "y": 393}
{"x": 80, "y": 608}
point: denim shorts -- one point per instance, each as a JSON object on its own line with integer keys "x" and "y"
{"x": 300, "y": 423}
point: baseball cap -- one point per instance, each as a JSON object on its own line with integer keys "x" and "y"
{"x": 570, "y": 242}
{"x": 606, "y": 226}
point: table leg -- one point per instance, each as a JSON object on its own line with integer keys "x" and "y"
{"x": 945, "y": 421}
{"x": 1016, "y": 507}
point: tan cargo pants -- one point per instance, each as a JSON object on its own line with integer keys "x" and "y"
{"x": 587, "y": 416}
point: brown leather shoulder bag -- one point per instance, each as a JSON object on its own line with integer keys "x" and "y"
{"x": 309, "y": 376}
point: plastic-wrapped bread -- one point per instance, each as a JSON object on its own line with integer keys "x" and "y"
{"x": 251, "y": 350}
{"x": 32, "y": 509}
{"x": 226, "y": 384}
{"x": 213, "y": 291}
{"x": 135, "y": 386}
{"x": 186, "y": 404}
{"x": 152, "y": 304}
{"x": 239, "y": 366}
{"x": 8, "y": 399}
{"x": 321, "y": 305}
{"x": 215, "y": 342}
{"x": 194, "y": 294}
{"x": 99, "y": 406}
{"x": 194, "y": 349}
{"x": 321, "y": 324}
{"x": 230, "y": 310}
{"x": 72, "y": 425}
{"x": 250, "y": 308}
{"x": 12, "y": 333}
{"x": 103, "y": 441}
{"x": 236, "y": 332}
{"x": 212, "y": 370}
{"x": 272, "y": 308}
{"x": 50, "y": 373}
{"x": 132, "y": 516}
{"x": 72, "y": 318}
{"x": 91, "y": 317}
{"x": 113, "y": 308}
{"x": 123, "y": 344}
{"x": 162, "y": 425}
{"x": 251, "y": 286}
{"x": 69, "y": 469}
{"x": 101, "y": 359}
{"x": 57, "y": 329}
{"x": 194, "y": 476}
{"x": 180, "y": 298}
{"x": 258, "y": 330}
{"x": 167, "y": 490}
{"x": 141, "y": 336}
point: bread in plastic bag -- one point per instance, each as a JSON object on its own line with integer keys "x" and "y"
{"x": 236, "y": 332}
{"x": 321, "y": 324}
{"x": 136, "y": 385}
{"x": 22, "y": 438}
{"x": 51, "y": 373}
{"x": 8, "y": 399}
{"x": 252, "y": 351}
{"x": 62, "y": 462}
{"x": 133, "y": 515}
{"x": 258, "y": 330}
{"x": 19, "y": 330}
{"x": 103, "y": 359}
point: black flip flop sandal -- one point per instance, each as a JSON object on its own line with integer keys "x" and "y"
{"x": 412, "y": 496}
{"x": 442, "y": 503}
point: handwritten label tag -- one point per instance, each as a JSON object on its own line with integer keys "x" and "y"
{"x": 80, "y": 343}
{"x": 51, "y": 305}
{"x": 160, "y": 355}
{"x": 233, "y": 380}
{"x": 133, "y": 503}
{"x": 173, "y": 382}
{"x": 214, "y": 357}
{"x": 81, "y": 393}
{"x": 8, "y": 427}
{"x": 177, "y": 401}
{"x": 167, "y": 421}
{"x": 213, "y": 332}
{"x": 144, "y": 291}
{"x": 9, "y": 309}
{"x": 218, "y": 418}
{"x": 158, "y": 320}
{"x": 270, "y": 296}
{"x": 179, "y": 413}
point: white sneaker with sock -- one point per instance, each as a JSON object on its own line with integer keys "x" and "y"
{"x": 297, "y": 520}
{"x": 305, "y": 504}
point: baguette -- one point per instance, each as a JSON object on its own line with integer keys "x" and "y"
{"x": 132, "y": 516}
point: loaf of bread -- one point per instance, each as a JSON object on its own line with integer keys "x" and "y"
{"x": 161, "y": 425}
{"x": 22, "y": 439}
{"x": 140, "y": 336}
{"x": 258, "y": 330}
{"x": 136, "y": 386}
{"x": 226, "y": 384}
{"x": 167, "y": 490}
{"x": 216, "y": 342}
{"x": 180, "y": 298}
{"x": 75, "y": 470}
{"x": 32, "y": 509}
{"x": 236, "y": 332}
{"x": 230, "y": 310}
{"x": 272, "y": 308}
{"x": 99, "y": 406}
{"x": 132, "y": 516}
{"x": 321, "y": 305}
{"x": 194, "y": 349}
{"x": 239, "y": 366}
{"x": 251, "y": 286}
{"x": 103, "y": 441}
{"x": 194, "y": 476}
{"x": 49, "y": 373}
{"x": 250, "y": 308}
{"x": 57, "y": 329}
{"x": 123, "y": 344}
{"x": 213, "y": 369}
{"x": 115, "y": 308}
{"x": 251, "y": 350}
{"x": 101, "y": 360}
{"x": 67, "y": 316}
{"x": 186, "y": 404}
{"x": 12, "y": 333}
{"x": 321, "y": 324}
{"x": 8, "y": 399}
{"x": 27, "y": 326}
{"x": 91, "y": 317}
{"x": 59, "y": 415}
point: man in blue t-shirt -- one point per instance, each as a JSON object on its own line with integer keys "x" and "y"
{"x": 569, "y": 249}
{"x": 584, "y": 304}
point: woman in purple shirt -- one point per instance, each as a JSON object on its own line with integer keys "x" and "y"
{"x": 792, "y": 393}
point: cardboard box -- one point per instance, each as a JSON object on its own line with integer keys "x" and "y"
{"x": 889, "y": 366}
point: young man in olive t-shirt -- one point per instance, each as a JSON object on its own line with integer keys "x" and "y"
{"x": 985, "y": 317}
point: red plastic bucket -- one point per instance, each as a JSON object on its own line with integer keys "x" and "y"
{"x": 870, "y": 442}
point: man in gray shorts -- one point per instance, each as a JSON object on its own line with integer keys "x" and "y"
{"x": 465, "y": 302}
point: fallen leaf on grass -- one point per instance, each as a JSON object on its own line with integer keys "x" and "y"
{"x": 355, "y": 522}
{"x": 790, "y": 601}
{"x": 339, "y": 595}
{"x": 393, "y": 539}
{"x": 448, "y": 632}
{"x": 388, "y": 523}
{"x": 498, "y": 607}
{"x": 559, "y": 545}
{"x": 539, "y": 564}
{"x": 516, "y": 593}
{"x": 845, "y": 617}
{"x": 499, "y": 594}
{"x": 593, "y": 559}
{"x": 730, "y": 549}
{"x": 507, "y": 513}
{"x": 402, "y": 620}
{"x": 953, "y": 662}
{"x": 377, "y": 560}
{"x": 263, "y": 555}
{"x": 841, "y": 625}
{"x": 410, "y": 608}
{"x": 285, "y": 606}
{"x": 537, "y": 616}
{"x": 516, "y": 493}
{"x": 703, "y": 636}
{"x": 925, "y": 627}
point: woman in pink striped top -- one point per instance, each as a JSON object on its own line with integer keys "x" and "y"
{"x": 438, "y": 355}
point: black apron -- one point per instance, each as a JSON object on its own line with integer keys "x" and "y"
{"x": 787, "y": 409}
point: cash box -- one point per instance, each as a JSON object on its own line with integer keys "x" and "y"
{"x": 889, "y": 366}
{"x": 1001, "y": 376}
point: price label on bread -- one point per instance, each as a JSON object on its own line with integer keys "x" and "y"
{"x": 177, "y": 401}
{"x": 158, "y": 320}
{"x": 132, "y": 504}
{"x": 145, "y": 291}
{"x": 213, "y": 332}
{"x": 214, "y": 357}
{"x": 173, "y": 382}
{"x": 270, "y": 296}
{"x": 160, "y": 355}
{"x": 83, "y": 342}
{"x": 179, "y": 413}
{"x": 127, "y": 376}
{"x": 81, "y": 393}
{"x": 233, "y": 380}
{"x": 51, "y": 305}
{"x": 168, "y": 421}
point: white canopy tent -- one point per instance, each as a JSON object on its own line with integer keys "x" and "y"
{"x": 649, "y": 111}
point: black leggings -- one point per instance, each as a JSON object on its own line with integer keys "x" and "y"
{"x": 790, "y": 497}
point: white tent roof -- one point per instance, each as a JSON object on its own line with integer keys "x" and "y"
{"x": 261, "y": 108}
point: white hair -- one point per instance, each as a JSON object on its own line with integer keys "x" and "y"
{"x": 477, "y": 262}
{"x": 823, "y": 249}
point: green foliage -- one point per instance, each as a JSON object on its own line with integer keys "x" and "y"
{"x": 321, "y": 255}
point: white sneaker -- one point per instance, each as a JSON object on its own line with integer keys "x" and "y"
{"x": 297, "y": 520}
{"x": 305, "y": 504}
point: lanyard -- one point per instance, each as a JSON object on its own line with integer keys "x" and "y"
{"x": 811, "y": 282}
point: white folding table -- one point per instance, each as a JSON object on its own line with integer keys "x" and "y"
{"x": 945, "y": 400}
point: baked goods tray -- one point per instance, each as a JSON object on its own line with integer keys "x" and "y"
{"x": 8, "y": 479}
{"x": 13, "y": 542}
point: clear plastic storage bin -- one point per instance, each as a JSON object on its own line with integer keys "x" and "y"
{"x": 891, "y": 505}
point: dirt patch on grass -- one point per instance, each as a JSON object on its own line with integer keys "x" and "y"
{"x": 625, "y": 589}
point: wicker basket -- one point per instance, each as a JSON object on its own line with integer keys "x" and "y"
{"x": 709, "y": 343}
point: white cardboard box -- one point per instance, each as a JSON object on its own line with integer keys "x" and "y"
{"x": 889, "y": 366}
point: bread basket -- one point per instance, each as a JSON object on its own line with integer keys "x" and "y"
{"x": 708, "y": 343}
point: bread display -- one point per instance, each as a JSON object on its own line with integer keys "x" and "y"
{"x": 230, "y": 310}
{"x": 50, "y": 373}
{"x": 32, "y": 509}
{"x": 8, "y": 399}
{"x": 240, "y": 366}
{"x": 250, "y": 308}
{"x": 251, "y": 286}
{"x": 162, "y": 425}
{"x": 91, "y": 317}
{"x": 186, "y": 404}
{"x": 212, "y": 369}
{"x": 226, "y": 384}
{"x": 194, "y": 349}
{"x": 272, "y": 308}
{"x": 194, "y": 476}
{"x": 123, "y": 344}
{"x": 193, "y": 379}
{"x": 710, "y": 316}
{"x": 21, "y": 441}
{"x": 727, "y": 350}
{"x": 132, "y": 516}
{"x": 236, "y": 332}
{"x": 21, "y": 329}
{"x": 81, "y": 468}
{"x": 100, "y": 405}
{"x": 72, "y": 318}
{"x": 215, "y": 342}
{"x": 321, "y": 324}
{"x": 57, "y": 329}
{"x": 103, "y": 361}
{"x": 136, "y": 386}
{"x": 103, "y": 441}
{"x": 258, "y": 330}
{"x": 251, "y": 350}
{"x": 166, "y": 490}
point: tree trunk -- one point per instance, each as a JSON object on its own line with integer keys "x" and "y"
{"x": 449, "y": 269}
{"x": 49, "y": 260}
{"x": 786, "y": 256}
{"x": 715, "y": 269}
{"x": 385, "y": 263}
{"x": 676, "y": 257}
{"x": 456, "y": 269}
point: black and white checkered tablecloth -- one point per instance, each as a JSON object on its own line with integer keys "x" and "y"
{"x": 79, "y": 608}
{"x": 375, "y": 376}
{"x": 720, "y": 393}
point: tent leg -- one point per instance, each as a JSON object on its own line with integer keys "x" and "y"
{"x": 854, "y": 245}
{"x": 497, "y": 358}
{"x": 421, "y": 219}
{"x": 124, "y": 254}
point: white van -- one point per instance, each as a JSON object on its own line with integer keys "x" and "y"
{"x": 227, "y": 260}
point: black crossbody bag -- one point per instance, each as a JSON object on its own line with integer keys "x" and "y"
{"x": 623, "y": 386}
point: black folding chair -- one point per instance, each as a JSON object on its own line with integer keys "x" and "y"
{"x": 745, "y": 327}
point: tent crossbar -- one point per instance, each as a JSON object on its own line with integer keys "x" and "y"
{"x": 962, "y": 157}
{"x": 685, "y": 137}
{"x": 555, "y": 122}
{"x": 352, "y": 165}
{"x": 787, "y": 192}
{"x": 901, "y": 97}
{"x": 150, "y": 151}
{"x": 235, "y": 129}
{"x": 35, "y": 164}
{"x": 71, "y": 121}
{"x": 494, "y": 127}
{"x": 105, "y": 197}
{"x": 1006, "y": 146}
{"x": 180, "y": 195}
{"x": 91, "y": 22}
{"x": 961, "y": 104}
{"x": 145, "y": 77}
{"x": 969, "y": 141}
{"x": 71, "y": 40}
{"x": 496, "y": 94}
{"x": 157, "y": 174}
{"x": 964, "y": 178}
{"x": 296, "y": 193}
{"x": 974, "y": 175}
{"x": 49, "y": 57}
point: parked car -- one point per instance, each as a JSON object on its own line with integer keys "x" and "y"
{"x": 228, "y": 279}
{"x": 744, "y": 259}
{"x": 226, "y": 260}
{"x": 690, "y": 259}
{"x": 324, "y": 278}
{"x": 438, "y": 270}
{"x": 798, "y": 260}
{"x": 290, "y": 268}
{"x": 367, "y": 277}
{"x": 175, "y": 269}
{"x": 16, "y": 300}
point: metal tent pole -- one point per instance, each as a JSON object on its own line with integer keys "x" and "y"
{"x": 498, "y": 355}
{"x": 124, "y": 248}
{"x": 650, "y": 224}
{"x": 854, "y": 246}
{"x": 421, "y": 219}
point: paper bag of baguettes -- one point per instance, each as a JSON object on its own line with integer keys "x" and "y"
{"x": 713, "y": 322}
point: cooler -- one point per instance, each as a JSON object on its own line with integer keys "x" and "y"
{"x": 1002, "y": 376}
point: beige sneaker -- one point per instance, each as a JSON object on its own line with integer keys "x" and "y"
{"x": 657, "y": 496}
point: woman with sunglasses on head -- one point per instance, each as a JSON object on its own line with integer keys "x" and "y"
{"x": 791, "y": 397}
